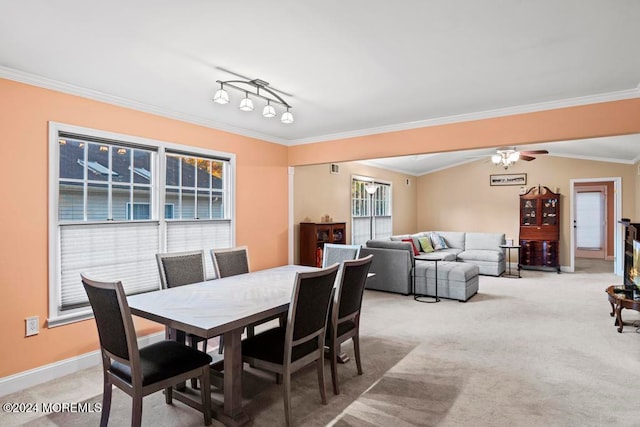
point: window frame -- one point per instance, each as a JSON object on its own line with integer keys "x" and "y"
{"x": 370, "y": 210}
{"x": 58, "y": 317}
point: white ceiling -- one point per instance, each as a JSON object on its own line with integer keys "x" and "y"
{"x": 352, "y": 67}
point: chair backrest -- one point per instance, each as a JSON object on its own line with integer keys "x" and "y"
{"x": 181, "y": 268}
{"x": 333, "y": 253}
{"x": 309, "y": 307}
{"x": 348, "y": 298}
{"x": 113, "y": 319}
{"x": 230, "y": 262}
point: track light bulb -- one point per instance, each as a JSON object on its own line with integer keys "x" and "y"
{"x": 246, "y": 104}
{"x": 268, "y": 111}
{"x": 287, "y": 117}
{"x": 221, "y": 96}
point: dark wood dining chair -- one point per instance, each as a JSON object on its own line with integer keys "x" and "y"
{"x": 179, "y": 269}
{"x": 344, "y": 323}
{"x": 140, "y": 371}
{"x": 286, "y": 349}
{"x": 231, "y": 262}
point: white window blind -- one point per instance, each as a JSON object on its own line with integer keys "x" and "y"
{"x": 360, "y": 230}
{"x": 382, "y": 227}
{"x": 107, "y": 252}
{"x": 194, "y": 235}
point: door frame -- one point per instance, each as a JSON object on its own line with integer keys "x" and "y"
{"x": 601, "y": 189}
{"x": 617, "y": 212}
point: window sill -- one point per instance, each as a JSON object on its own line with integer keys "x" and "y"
{"x": 66, "y": 319}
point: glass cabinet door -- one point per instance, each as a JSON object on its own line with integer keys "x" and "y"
{"x": 549, "y": 211}
{"x": 529, "y": 211}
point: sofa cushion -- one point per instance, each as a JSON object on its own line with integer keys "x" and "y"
{"x": 489, "y": 241}
{"x": 413, "y": 245}
{"x": 425, "y": 244}
{"x": 439, "y": 255}
{"x": 454, "y": 239}
{"x": 481, "y": 255}
{"x": 438, "y": 241}
{"x": 402, "y": 237}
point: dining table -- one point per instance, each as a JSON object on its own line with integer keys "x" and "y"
{"x": 222, "y": 307}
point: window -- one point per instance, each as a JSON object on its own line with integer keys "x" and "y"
{"x": 370, "y": 213}
{"x": 116, "y": 201}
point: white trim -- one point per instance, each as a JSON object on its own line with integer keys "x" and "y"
{"x": 617, "y": 215}
{"x": 35, "y": 80}
{"x": 52, "y": 371}
{"x": 290, "y": 254}
{"x": 594, "y": 158}
{"x": 480, "y": 115}
{"x": 43, "y": 82}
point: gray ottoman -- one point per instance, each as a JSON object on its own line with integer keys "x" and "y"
{"x": 456, "y": 280}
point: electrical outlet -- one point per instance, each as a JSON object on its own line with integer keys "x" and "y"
{"x": 31, "y": 325}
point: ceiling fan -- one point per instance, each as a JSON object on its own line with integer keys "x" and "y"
{"x": 506, "y": 157}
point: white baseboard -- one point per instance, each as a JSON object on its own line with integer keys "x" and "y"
{"x": 42, "y": 374}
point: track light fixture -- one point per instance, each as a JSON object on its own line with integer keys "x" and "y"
{"x": 255, "y": 88}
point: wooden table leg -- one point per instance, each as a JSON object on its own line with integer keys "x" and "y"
{"x": 619, "y": 317}
{"x": 341, "y": 356}
{"x": 233, "y": 414}
{"x": 613, "y": 310}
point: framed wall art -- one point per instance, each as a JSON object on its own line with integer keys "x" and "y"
{"x": 508, "y": 179}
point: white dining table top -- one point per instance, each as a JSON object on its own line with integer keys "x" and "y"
{"x": 216, "y": 306}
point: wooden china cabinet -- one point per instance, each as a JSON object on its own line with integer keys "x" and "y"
{"x": 540, "y": 229}
{"x": 313, "y": 236}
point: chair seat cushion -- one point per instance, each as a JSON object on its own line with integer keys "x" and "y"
{"x": 163, "y": 360}
{"x": 269, "y": 346}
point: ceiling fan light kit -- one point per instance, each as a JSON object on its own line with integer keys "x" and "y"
{"x": 506, "y": 157}
{"x": 255, "y": 88}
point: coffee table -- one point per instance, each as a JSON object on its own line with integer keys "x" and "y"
{"x": 619, "y": 301}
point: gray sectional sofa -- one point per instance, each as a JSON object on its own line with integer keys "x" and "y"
{"x": 394, "y": 260}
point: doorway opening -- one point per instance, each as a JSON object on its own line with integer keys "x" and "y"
{"x": 596, "y": 235}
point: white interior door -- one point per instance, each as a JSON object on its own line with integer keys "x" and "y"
{"x": 590, "y": 222}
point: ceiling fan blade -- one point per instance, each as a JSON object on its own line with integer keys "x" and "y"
{"x": 526, "y": 158}
{"x": 534, "y": 152}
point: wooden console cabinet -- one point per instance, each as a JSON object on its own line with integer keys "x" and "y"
{"x": 314, "y": 235}
{"x": 540, "y": 229}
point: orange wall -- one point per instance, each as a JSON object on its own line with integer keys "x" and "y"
{"x": 587, "y": 121}
{"x": 24, "y": 113}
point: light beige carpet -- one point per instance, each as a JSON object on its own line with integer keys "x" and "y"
{"x": 536, "y": 351}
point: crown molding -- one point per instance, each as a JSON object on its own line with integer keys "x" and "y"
{"x": 374, "y": 164}
{"x": 595, "y": 159}
{"x": 46, "y": 83}
{"x": 481, "y": 115}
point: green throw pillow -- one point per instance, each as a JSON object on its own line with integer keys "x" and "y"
{"x": 425, "y": 243}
